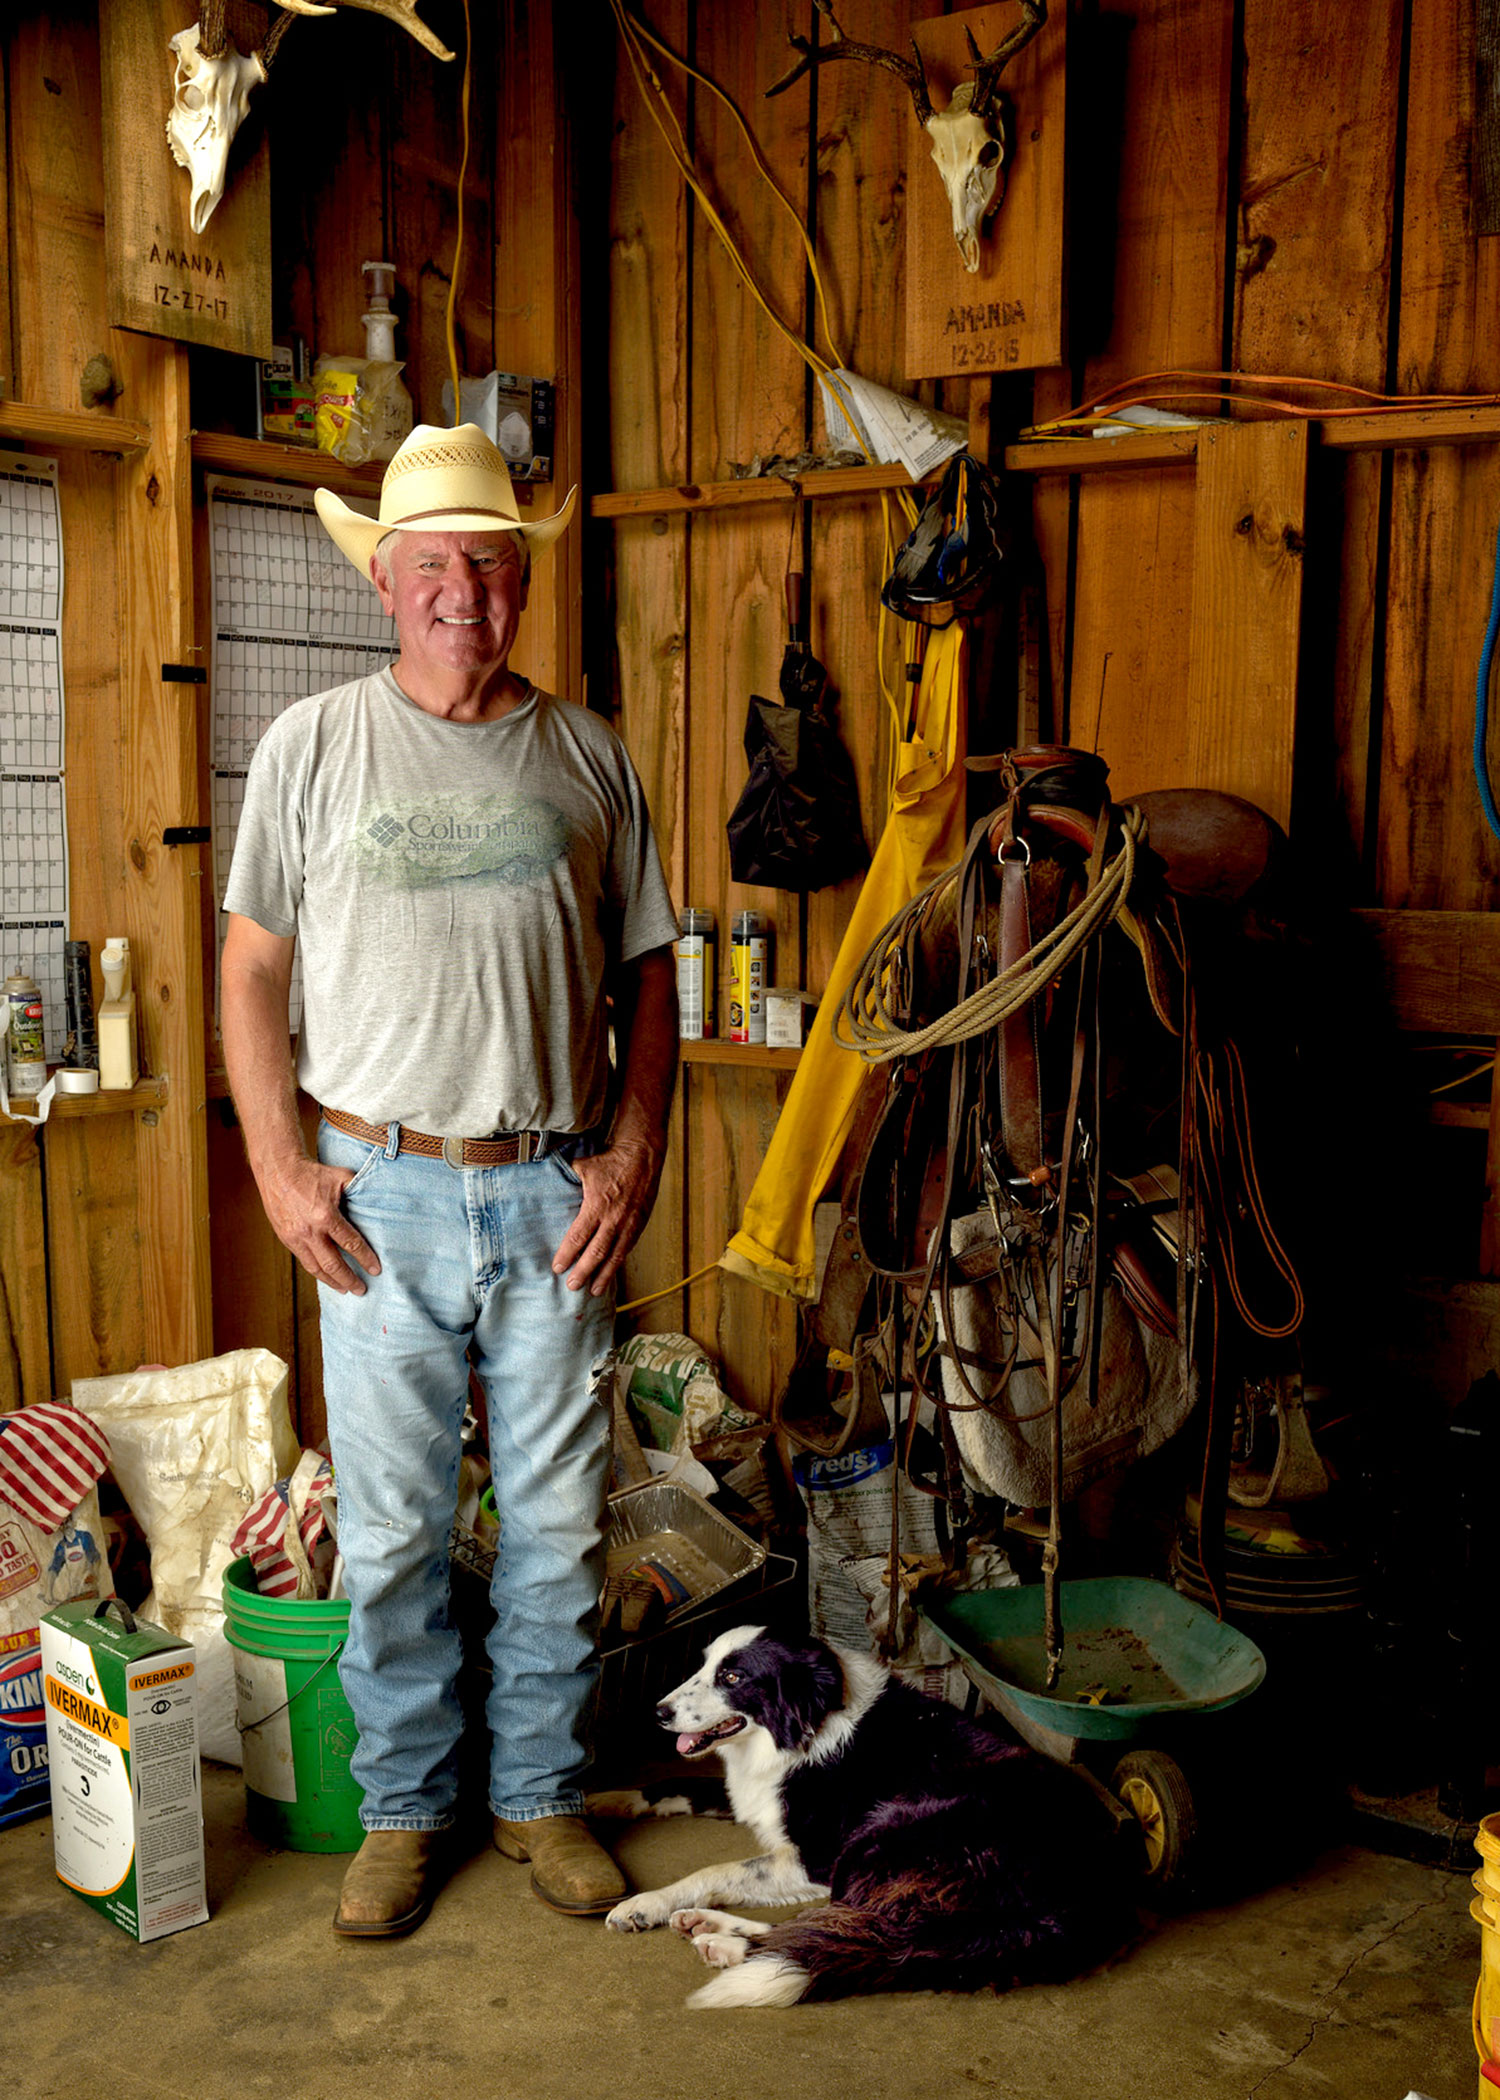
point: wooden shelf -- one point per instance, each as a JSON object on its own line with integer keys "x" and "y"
{"x": 1441, "y": 969}
{"x": 146, "y": 1093}
{"x": 1459, "y": 1115}
{"x": 71, "y": 429}
{"x": 255, "y": 458}
{"x": 762, "y": 488}
{"x": 1388, "y": 432}
{"x": 259, "y": 460}
{"x": 753, "y": 1054}
{"x": 1154, "y": 448}
{"x": 1412, "y": 428}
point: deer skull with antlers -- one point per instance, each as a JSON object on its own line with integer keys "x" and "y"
{"x": 213, "y": 81}
{"x": 968, "y": 137}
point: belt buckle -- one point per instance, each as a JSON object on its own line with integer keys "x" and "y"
{"x": 528, "y": 1146}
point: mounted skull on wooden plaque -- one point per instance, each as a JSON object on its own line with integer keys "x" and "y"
{"x": 969, "y": 143}
{"x": 213, "y": 82}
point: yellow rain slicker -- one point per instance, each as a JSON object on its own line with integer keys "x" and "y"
{"x": 924, "y": 834}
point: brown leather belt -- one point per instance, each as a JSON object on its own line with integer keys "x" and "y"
{"x": 506, "y": 1148}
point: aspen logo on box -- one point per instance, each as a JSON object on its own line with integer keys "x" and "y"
{"x": 416, "y": 844}
{"x": 80, "y": 1680}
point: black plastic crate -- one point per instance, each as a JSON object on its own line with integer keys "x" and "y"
{"x": 635, "y": 1674}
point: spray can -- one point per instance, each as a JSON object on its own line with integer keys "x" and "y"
{"x": 25, "y": 1048}
{"x": 750, "y": 973}
{"x": 696, "y": 949}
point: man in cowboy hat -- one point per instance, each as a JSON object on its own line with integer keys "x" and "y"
{"x": 468, "y": 866}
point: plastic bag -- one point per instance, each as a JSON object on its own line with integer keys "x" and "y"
{"x": 361, "y": 410}
{"x": 796, "y": 825}
{"x": 192, "y": 1449}
{"x": 672, "y": 1394}
{"x": 848, "y": 1502}
{"x": 38, "y": 1569}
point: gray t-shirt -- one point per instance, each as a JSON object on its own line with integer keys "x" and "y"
{"x": 459, "y": 891}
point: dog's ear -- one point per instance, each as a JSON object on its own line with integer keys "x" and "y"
{"x": 792, "y": 1703}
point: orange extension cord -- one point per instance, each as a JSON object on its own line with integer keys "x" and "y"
{"x": 1177, "y": 385}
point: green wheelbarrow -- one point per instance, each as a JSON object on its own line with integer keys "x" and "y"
{"x": 1139, "y": 1663}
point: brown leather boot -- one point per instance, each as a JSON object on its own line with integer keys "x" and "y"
{"x": 390, "y": 1885}
{"x": 571, "y": 1871}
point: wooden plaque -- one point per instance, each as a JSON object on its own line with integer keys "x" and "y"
{"x": 164, "y": 279}
{"x": 1008, "y": 315}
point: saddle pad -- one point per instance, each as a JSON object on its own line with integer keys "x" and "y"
{"x": 1143, "y": 1395}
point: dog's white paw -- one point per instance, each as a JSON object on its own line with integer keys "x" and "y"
{"x": 721, "y": 1950}
{"x": 692, "y": 1924}
{"x": 640, "y": 1913}
{"x": 722, "y": 1940}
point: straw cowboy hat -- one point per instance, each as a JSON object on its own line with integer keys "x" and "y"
{"x": 439, "y": 481}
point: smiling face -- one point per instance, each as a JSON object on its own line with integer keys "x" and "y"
{"x": 457, "y": 600}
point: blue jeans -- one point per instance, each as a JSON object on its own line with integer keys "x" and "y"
{"x": 466, "y": 1272}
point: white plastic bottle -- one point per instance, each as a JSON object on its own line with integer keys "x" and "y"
{"x": 390, "y": 411}
{"x": 361, "y": 409}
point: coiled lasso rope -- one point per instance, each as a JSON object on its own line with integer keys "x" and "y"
{"x": 865, "y": 1021}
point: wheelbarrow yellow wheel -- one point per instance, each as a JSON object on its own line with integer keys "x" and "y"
{"x": 1151, "y": 1785}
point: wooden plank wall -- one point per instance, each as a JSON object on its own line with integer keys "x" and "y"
{"x": 1148, "y": 295}
{"x": 375, "y": 178}
{"x": 382, "y": 181}
{"x": 131, "y": 1237}
{"x": 750, "y": 402}
{"x": 1444, "y": 509}
{"x": 646, "y": 431}
{"x": 700, "y": 604}
{"x": 1251, "y": 188}
{"x": 76, "y": 1190}
{"x": 1250, "y": 184}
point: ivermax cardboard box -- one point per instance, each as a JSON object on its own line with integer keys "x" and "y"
{"x": 122, "y": 1747}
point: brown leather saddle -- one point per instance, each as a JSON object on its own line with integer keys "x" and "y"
{"x": 1077, "y": 1117}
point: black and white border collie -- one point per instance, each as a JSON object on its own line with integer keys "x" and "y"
{"x": 939, "y": 1854}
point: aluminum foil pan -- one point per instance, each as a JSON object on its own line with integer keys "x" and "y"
{"x": 690, "y": 1551}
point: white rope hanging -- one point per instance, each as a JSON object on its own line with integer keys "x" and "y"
{"x": 866, "y": 1023}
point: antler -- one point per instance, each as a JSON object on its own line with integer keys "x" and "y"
{"x": 871, "y": 54}
{"x": 212, "y": 35}
{"x": 987, "y": 71}
{"x": 402, "y": 11}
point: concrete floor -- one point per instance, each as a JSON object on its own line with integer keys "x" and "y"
{"x": 1350, "y": 1978}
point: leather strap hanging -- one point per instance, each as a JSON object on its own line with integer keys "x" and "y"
{"x": 1088, "y": 964}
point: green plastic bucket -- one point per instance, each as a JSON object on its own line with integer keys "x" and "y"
{"x": 295, "y": 1724}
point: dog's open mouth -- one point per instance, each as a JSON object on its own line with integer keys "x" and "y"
{"x": 699, "y": 1745}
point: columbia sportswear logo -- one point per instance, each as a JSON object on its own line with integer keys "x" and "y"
{"x": 444, "y": 838}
